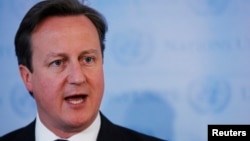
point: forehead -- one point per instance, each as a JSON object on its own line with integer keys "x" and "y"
{"x": 64, "y": 27}
{"x": 60, "y": 22}
{"x": 55, "y": 33}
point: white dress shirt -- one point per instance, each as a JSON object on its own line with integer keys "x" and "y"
{"x": 42, "y": 133}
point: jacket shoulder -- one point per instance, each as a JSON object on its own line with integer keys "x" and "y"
{"x": 130, "y": 134}
{"x": 110, "y": 131}
{"x": 26, "y": 133}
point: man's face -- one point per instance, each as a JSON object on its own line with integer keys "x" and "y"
{"x": 67, "y": 79}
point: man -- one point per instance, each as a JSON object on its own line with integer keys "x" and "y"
{"x": 59, "y": 47}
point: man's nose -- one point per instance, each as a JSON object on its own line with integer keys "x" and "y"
{"x": 76, "y": 74}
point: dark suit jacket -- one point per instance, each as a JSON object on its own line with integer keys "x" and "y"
{"x": 108, "y": 132}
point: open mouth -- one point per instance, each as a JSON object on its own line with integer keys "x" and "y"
{"x": 76, "y": 99}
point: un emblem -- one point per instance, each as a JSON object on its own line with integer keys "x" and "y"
{"x": 132, "y": 47}
{"x": 209, "y": 95}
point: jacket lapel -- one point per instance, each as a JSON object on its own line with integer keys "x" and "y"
{"x": 107, "y": 130}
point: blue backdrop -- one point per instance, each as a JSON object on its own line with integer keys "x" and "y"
{"x": 171, "y": 66}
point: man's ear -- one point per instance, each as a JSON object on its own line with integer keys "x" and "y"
{"x": 26, "y": 76}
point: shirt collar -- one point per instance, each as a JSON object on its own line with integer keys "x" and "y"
{"x": 42, "y": 133}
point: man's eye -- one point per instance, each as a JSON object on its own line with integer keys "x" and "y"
{"x": 89, "y": 59}
{"x": 57, "y": 63}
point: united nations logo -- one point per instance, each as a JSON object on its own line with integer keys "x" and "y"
{"x": 208, "y": 7}
{"x": 21, "y": 102}
{"x": 132, "y": 47}
{"x": 142, "y": 110}
{"x": 209, "y": 95}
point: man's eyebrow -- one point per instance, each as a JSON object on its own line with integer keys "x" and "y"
{"x": 90, "y": 51}
{"x": 53, "y": 54}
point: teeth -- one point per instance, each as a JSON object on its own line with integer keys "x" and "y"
{"x": 74, "y": 101}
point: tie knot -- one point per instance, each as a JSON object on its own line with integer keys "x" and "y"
{"x": 60, "y": 140}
